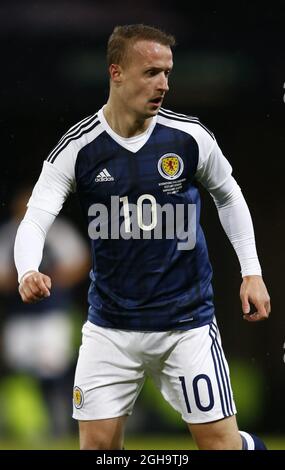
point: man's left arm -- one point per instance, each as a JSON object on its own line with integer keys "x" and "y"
{"x": 215, "y": 176}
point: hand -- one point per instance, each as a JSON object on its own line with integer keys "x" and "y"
{"x": 34, "y": 286}
{"x": 254, "y": 290}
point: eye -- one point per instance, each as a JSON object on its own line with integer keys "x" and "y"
{"x": 151, "y": 72}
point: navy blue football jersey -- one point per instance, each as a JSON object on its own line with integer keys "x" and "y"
{"x": 139, "y": 195}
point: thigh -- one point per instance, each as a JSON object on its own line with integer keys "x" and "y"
{"x": 195, "y": 377}
{"x": 108, "y": 376}
{"x": 107, "y": 434}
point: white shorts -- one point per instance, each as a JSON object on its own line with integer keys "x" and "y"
{"x": 188, "y": 367}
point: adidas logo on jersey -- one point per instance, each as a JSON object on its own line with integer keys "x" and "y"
{"x": 104, "y": 176}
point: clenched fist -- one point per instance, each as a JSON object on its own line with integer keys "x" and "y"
{"x": 254, "y": 290}
{"x": 34, "y": 286}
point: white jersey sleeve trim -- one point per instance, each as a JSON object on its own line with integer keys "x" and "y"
{"x": 51, "y": 189}
{"x": 58, "y": 179}
{"x": 213, "y": 169}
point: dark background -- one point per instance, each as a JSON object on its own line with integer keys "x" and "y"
{"x": 228, "y": 71}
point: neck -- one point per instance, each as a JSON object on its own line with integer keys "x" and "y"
{"x": 123, "y": 121}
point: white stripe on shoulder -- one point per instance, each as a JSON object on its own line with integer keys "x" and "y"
{"x": 65, "y": 158}
{"x": 72, "y": 134}
{"x": 174, "y": 118}
{"x": 75, "y": 126}
{"x": 172, "y": 113}
{"x": 206, "y": 141}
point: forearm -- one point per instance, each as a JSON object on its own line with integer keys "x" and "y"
{"x": 30, "y": 240}
{"x": 237, "y": 223}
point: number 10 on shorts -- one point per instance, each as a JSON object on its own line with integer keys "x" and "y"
{"x": 195, "y": 387}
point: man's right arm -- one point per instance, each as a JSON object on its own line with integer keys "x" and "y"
{"x": 46, "y": 201}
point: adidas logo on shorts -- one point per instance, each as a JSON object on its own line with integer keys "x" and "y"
{"x": 104, "y": 176}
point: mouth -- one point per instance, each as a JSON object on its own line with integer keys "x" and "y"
{"x": 156, "y": 101}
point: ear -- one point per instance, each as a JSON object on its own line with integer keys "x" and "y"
{"x": 115, "y": 71}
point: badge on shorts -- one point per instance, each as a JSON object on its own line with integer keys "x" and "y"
{"x": 78, "y": 397}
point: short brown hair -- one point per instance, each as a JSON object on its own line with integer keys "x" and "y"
{"x": 123, "y": 36}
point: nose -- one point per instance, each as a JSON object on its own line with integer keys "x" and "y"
{"x": 163, "y": 82}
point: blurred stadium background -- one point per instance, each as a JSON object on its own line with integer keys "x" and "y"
{"x": 228, "y": 71}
